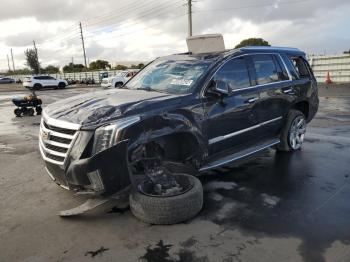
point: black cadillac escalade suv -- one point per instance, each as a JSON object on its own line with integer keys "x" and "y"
{"x": 201, "y": 111}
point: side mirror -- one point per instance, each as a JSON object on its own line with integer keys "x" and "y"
{"x": 221, "y": 87}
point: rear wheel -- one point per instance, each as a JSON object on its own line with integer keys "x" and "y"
{"x": 18, "y": 112}
{"x": 37, "y": 87}
{"x": 61, "y": 85}
{"x": 30, "y": 112}
{"x": 38, "y": 110}
{"x": 118, "y": 85}
{"x": 293, "y": 133}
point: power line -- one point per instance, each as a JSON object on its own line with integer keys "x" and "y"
{"x": 147, "y": 14}
{"x": 132, "y": 24}
{"x": 250, "y": 6}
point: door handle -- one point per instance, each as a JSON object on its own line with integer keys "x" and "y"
{"x": 287, "y": 91}
{"x": 252, "y": 100}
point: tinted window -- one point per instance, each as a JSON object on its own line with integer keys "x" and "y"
{"x": 300, "y": 67}
{"x": 235, "y": 73}
{"x": 265, "y": 69}
{"x": 281, "y": 69}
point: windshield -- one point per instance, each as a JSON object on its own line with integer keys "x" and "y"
{"x": 169, "y": 76}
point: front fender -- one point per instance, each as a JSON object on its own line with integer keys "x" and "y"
{"x": 163, "y": 125}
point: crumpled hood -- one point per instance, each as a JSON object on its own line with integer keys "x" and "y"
{"x": 98, "y": 107}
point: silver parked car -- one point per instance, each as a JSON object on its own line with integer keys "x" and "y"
{"x": 6, "y": 80}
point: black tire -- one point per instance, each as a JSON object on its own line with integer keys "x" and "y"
{"x": 286, "y": 144}
{"x": 18, "y": 112}
{"x": 37, "y": 87}
{"x": 30, "y": 112}
{"x": 118, "y": 84}
{"x": 38, "y": 110}
{"x": 61, "y": 85}
{"x": 168, "y": 210}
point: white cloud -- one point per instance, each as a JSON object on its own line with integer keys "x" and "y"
{"x": 118, "y": 30}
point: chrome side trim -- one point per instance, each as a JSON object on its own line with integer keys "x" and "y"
{"x": 59, "y": 123}
{"x": 220, "y": 138}
{"x": 205, "y": 168}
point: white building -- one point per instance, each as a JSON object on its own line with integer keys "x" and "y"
{"x": 338, "y": 67}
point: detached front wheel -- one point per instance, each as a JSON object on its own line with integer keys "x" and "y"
{"x": 293, "y": 133}
{"x": 168, "y": 209}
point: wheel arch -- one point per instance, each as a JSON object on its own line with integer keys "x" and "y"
{"x": 304, "y": 107}
{"x": 177, "y": 138}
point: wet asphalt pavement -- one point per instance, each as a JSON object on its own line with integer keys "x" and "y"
{"x": 275, "y": 207}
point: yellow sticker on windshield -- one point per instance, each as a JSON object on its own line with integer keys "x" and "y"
{"x": 181, "y": 82}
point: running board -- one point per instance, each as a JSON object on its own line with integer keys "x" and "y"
{"x": 239, "y": 155}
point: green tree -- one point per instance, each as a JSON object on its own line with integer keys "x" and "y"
{"x": 32, "y": 60}
{"x": 50, "y": 69}
{"x": 70, "y": 68}
{"x": 253, "y": 42}
{"x": 141, "y": 65}
{"x": 121, "y": 67}
{"x": 99, "y": 64}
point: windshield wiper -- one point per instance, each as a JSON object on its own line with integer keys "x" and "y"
{"x": 148, "y": 88}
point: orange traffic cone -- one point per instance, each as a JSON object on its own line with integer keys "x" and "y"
{"x": 328, "y": 79}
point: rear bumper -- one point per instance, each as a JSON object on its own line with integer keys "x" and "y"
{"x": 105, "y": 173}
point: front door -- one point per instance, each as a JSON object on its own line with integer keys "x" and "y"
{"x": 231, "y": 119}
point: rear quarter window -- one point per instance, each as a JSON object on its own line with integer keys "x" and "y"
{"x": 300, "y": 66}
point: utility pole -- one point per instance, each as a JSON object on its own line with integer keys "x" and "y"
{"x": 37, "y": 57}
{"x": 189, "y": 6}
{"x": 8, "y": 63}
{"x": 82, "y": 41}
{"x": 13, "y": 62}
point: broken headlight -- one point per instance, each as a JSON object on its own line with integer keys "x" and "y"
{"x": 107, "y": 136}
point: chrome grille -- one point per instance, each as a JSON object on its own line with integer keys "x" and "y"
{"x": 56, "y": 138}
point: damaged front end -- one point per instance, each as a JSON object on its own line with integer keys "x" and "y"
{"x": 86, "y": 161}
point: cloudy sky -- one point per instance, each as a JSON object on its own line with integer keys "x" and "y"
{"x": 118, "y": 30}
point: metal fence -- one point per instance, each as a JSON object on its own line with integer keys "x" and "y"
{"x": 96, "y": 75}
{"x": 337, "y": 66}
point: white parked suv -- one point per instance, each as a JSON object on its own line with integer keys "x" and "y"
{"x": 39, "y": 82}
{"x": 119, "y": 79}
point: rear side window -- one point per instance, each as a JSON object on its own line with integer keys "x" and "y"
{"x": 265, "y": 69}
{"x": 300, "y": 67}
{"x": 234, "y": 73}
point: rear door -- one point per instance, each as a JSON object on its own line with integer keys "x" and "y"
{"x": 231, "y": 119}
{"x": 272, "y": 80}
{"x": 51, "y": 81}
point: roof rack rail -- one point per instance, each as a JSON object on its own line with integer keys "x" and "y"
{"x": 271, "y": 47}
